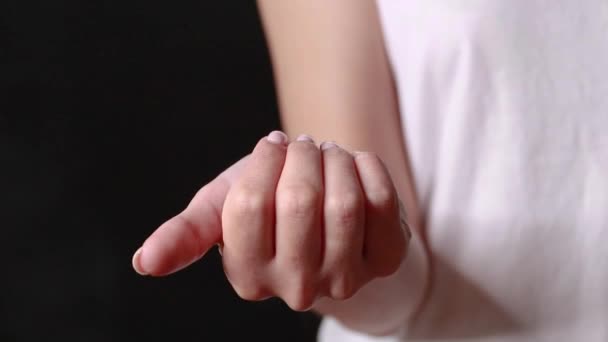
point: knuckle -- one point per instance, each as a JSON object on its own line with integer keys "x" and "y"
{"x": 344, "y": 208}
{"x": 383, "y": 197}
{"x": 342, "y": 287}
{"x": 299, "y": 304}
{"x": 247, "y": 202}
{"x": 303, "y": 262}
{"x": 244, "y": 282}
{"x": 302, "y": 297}
{"x": 249, "y": 292}
{"x": 298, "y": 201}
{"x": 367, "y": 156}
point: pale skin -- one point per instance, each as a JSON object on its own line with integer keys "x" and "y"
{"x": 317, "y": 225}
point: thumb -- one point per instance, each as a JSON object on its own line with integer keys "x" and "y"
{"x": 189, "y": 235}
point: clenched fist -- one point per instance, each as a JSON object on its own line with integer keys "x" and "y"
{"x": 293, "y": 220}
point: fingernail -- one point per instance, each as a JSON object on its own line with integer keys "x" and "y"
{"x": 277, "y": 137}
{"x": 137, "y": 264}
{"x": 305, "y": 138}
{"x": 327, "y": 145}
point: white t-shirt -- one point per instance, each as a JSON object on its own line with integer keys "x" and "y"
{"x": 505, "y": 115}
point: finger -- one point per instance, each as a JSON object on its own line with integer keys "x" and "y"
{"x": 385, "y": 239}
{"x": 186, "y": 237}
{"x": 298, "y": 226}
{"x": 248, "y": 216}
{"x": 344, "y": 222}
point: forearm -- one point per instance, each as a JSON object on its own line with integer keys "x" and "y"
{"x": 334, "y": 83}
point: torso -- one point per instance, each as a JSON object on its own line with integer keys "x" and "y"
{"x": 505, "y": 115}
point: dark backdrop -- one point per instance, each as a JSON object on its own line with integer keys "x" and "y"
{"x": 112, "y": 115}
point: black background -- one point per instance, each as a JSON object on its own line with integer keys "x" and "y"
{"x": 112, "y": 115}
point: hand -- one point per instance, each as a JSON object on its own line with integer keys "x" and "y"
{"x": 293, "y": 220}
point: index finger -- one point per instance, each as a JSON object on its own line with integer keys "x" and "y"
{"x": 187, "y": 236}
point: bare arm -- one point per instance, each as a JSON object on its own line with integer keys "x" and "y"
{"x": 334, "y": 82}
